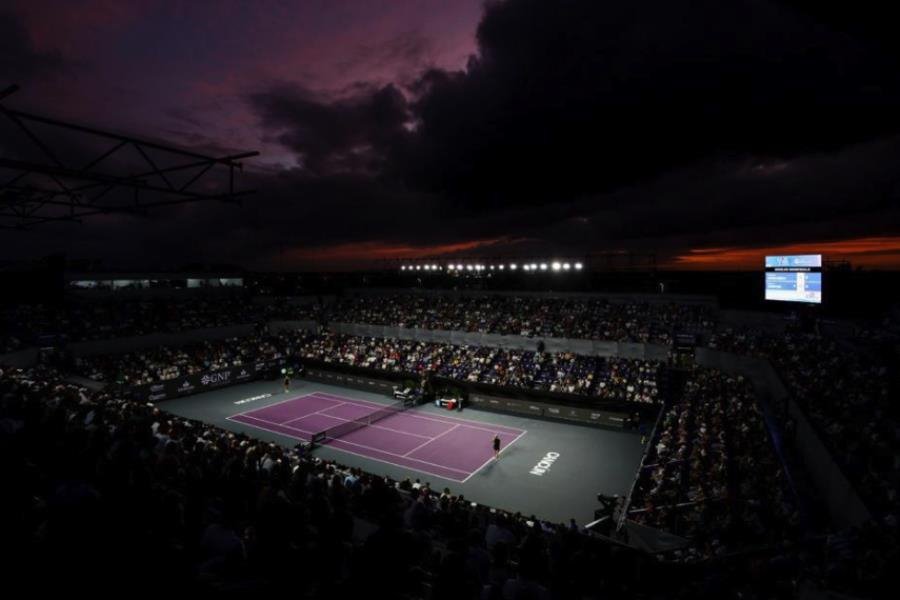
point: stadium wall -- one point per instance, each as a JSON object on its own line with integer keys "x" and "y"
{"x": 20, "y": 358}
{"x": 546, "y": 410}
{"x": 611, "y": 296}
{"x": 307, "y": 325}
{"x": 767, "y": 321}
{"x": 132, "y": 344}
{"x": 140, "y": 342}
{"x": 203, "y": 382}
{"x": 508, "y": 342}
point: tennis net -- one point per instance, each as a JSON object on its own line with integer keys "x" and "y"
{"x": 332, "y": 433}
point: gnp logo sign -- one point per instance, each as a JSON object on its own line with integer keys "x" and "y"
{"x": 215, "y": 378}
{"x": 544, "y": 464}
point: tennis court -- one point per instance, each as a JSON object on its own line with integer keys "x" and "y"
{"x": 440, "y": 445}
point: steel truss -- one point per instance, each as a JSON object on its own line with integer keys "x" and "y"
{"x": 51, "y": 189}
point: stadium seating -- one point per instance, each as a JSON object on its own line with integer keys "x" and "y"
{"x": 216, "y": 503}
{"x": 532, "y": 316}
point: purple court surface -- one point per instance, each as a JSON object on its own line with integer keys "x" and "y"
{"x": 447, "y": 447}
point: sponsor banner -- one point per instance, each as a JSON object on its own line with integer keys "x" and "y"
{"x": 542, "y": 409}
{"x": 200, "y": 382}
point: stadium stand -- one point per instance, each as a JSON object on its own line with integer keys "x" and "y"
{"x": 216, "y": 502}
{"x": 532, "y": 316}
{"x": 711, "y": 474}
{"x": 115, "y": 318}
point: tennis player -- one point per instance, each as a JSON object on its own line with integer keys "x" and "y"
{"x": 287, "y": 383}
{"x": 496, "y": 446}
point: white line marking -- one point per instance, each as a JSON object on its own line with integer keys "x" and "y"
{"x": 270, "y": 423}
{"x": 405, "y": 467}
{"x": 394, "y": 454}
{"x": 431, "y": 440}
{"x": 516, "y": 439}
{"x": 343, "y": 441}
{"x": 368, "y": 456}
{"x": 437, "y": 418}
{"x": 295, "y": 437}
{"x": 318, "y": 412}
{"x": 376, "y": 426}
{"x": 441, "y": 419}
{"x": 275, "y": 404}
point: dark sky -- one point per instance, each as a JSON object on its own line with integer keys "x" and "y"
{"x": 708, "y": 132}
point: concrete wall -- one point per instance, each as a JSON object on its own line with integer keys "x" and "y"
{"x": 20, "y": 358}
{"x": 612, "y": 297}
{"x": 140, "y": 342}
{"x": 131, "y": 344}
{"x": 306, "y": 325}
{"x": 511, "y": 342}
{"x": 753, "y": 318}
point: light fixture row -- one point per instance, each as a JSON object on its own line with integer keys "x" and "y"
{"x": 543, "y": 266}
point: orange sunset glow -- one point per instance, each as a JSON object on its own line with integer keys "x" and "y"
{"x": 868, "y": 252}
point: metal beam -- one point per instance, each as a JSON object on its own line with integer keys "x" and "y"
{"x": 50, "y": 171}
{"x": 115, "y": 136}
{"x": 39, "y": 190}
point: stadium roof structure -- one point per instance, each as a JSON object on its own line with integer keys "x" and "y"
{"x": 52, "y": 170}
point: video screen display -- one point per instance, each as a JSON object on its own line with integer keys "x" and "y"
{"x": 794, "y": 278}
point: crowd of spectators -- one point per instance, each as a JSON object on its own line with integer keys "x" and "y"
{"x": 162, "y": 363}
{"x": 106, "y": 494}
{"x": 532, "y": 316}
{"x": 849, "y": 396}
{"x": 710, "y": 473}
{"x": 102, "y": 319}
{"x": 614, "y": 379}
{"x": 629, "y": 380}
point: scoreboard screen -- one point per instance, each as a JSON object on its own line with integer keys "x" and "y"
{"x": 794, "y": 278}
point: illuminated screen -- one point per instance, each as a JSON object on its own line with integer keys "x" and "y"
{"x": 794, "y": 278}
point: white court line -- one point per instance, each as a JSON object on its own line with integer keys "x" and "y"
{"x": 424, "y": 462}
{"x": 436, "y": 418}
{"x": 319, "y": 412}
{"x": 431, "y": 440}
{"x": 516, "y": 439}
{"x": 345, "y": 400}
{"x": 343, "y": 441}
{"x": 271, "y": 423}
{"x": 369, "y": 456}
{"x": 246, "y": 412}
{"x": 404, "y": 467}
{"x": 295, "y": 437}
